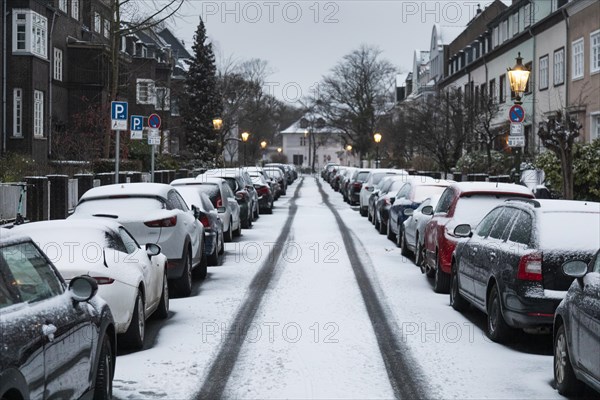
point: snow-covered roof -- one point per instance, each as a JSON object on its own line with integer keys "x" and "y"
{"x": 491, "y": 187}
{"x": 128, "y": 189}
{"x": 313, "y": 120}
{"x": 444, "y": 35}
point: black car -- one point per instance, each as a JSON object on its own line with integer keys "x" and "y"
{"x": 56, "y": 342}
{"x": 388, "y": 189}
{"x": 577, "y": 330}
{"x": 511, "y": 266}
{"x": 279, "y": 176}
{"x": 355, "y": 184}
{"x": 244, "y": 192}
{"x": 265, "y": 195}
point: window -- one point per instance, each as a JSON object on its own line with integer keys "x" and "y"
{"x": 38, "y": 113}
{"x": 30, "y": 33}
{"x": 175, "y": 106}
{"x": 145, "y": 91}
{"x": 75, "y": 9}
{"x": 492, "y": 90}
{"x": 97, "y": 23}
{"x": 526, "y": 15}
{"x": 106, "y": 28}
{"x": 521, "y": 232}
{"x": 495, "y": 37}
{"x": 502, "y": 89}
{"x": 559, "y": 67}
{"x": 543, "y": 69}
{"x": 62, "y": 5}
{"x": 130, "y": 244}
{"x": 58, "y": 64}
{"x": 302, "y": 141}
{"x": 484, "y": 228}
{"x": 162, "y": 98}
{"x": 515, "y": 23}
{"x": 529, "y": 67}
{"x": 595, "y": 134}
{"x": 504, "y": 31}
{"x": 577, "y": 51}
{"x": 17, "y": 112}
{"x": 595, "y": 52}
{"x": 445, "y": 201}
{"x": 501, "y": 223}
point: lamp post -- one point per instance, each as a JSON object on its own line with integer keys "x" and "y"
{"x": 518, "y": 77}
{"x": 348, "y": 150}
{"x": 263, "y": 146}
{"x": 245, "y": 136}
{"x": 217, "y": 125}
{"x": 377, "y": 138}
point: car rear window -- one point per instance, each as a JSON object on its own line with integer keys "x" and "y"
{"x": 569, "y": 230}
{"x": 380, "y": 175}
{"x": 471, "y": 209}
{"x": 423, "y": 192}
{"x": 362, "y": 176}
{"x": 116, "y": 206}
{"x": 211, "y": 190}
{"x": 232, "y": 184}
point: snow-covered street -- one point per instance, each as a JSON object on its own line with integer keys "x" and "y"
{"x": 308, "y": 304}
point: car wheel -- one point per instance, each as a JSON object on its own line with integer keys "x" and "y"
{"x": 363, "y": 212}
{"x": 441, "y": 283}
{"x": 564, "y": 376}
{"x": 222, "y": 248}
{"x": 238, "y": 231}
{"x": 404, "y": 249}
{"x": 134, "y": 337}
{"x": 390, "y": 234}
{"x": 382, "y": 228}
{"x": 162, "y": 312}
{"x": 213, "y": 259}
{"x": 104, "y": 372}
{"x": 201, "y": 270}
{"x": 497, "y": 328}
{"x": 419, "y": 256}
{"x": 228, "y": 235}
{"x": 456, "y": 300}
{"x": 183, "y": 285}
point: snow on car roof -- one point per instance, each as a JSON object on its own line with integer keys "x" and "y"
{"x": 200, "y": 179}
{"x": 221, "y": 172}
{"x": 79, "y": 225}
{"x": 490, "y": 187}
{"x": 128, "y": 189}
{"x": 549, "y": 206}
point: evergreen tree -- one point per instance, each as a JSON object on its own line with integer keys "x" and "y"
{"x": 202, "y": 103}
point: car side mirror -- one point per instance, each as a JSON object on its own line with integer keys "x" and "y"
{"x": 152, "y": 249}
{"x": 221, "y": 209}
{"x": 408, "y": 212}
{"x": 427, "y": 210}
{"x": 462, "y": 230}
{"x": 83, "y": 288}
{"x": 575, "y": 269}
{"x": 196, "y": 211}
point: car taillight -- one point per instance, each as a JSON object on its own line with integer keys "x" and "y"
{"x": 357, "y": 185}
{"x": 530, "y": 267}
{"x": 204, "y": 221}
{"x": 102, "y": 280}
{"x": 219, "y": 202}
{"x": 162, "y": 223}
{"x": 241, "y": 195}
{"x": 262, "y": 190}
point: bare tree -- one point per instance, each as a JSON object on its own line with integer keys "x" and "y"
{"x": 558, "y": 133}
{"x": 356, "y": 94}
{"x": 482, "y": 112}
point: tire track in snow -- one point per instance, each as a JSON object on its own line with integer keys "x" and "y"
{"x": 219, "y": 372}
{"x": 402, "y": 371}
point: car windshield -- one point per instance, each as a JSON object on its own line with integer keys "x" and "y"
{"x": 471, "y": 209}
{"x": 423, "y": 192}
{"x": 376, "y": 178}
{"x": 118, "y": 205}
{"x": 569, "y": 230}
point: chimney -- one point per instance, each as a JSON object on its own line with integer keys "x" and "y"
{"x": 479, "y": 10}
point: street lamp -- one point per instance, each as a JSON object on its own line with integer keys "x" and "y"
{"x": 518, "y": 77}
{"x": 377, "y": 138}
{"x": 348, "y": 150}
{"x": 245, "y": 136}
{"x": 217, "y": 124}
{"x": 279, "y": 149}
{"x": 263, "y": 146}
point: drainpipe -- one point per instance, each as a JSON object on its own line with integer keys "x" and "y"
{"x": 50, "y": 70}
{"x": 536, "y": 142}
{"x": 4, "y": 69}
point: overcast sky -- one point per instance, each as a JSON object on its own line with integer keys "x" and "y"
{"x": 303, "y": 40}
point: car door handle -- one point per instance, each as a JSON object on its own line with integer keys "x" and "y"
{"x": 49, "y": 330}
{"x": 492, "y": 255}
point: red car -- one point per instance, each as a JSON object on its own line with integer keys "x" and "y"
{"x": 461, "y": 203}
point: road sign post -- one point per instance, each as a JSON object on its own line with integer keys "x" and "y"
{"x": 118, "y": 123}
{"x": 153, "y": 140}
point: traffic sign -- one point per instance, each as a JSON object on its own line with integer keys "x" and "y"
{"x": 153, "y": 136}
{"x": 154, "y": 121}
{"x": 516, "y": 113}
{"x": 118, "y": 115}
{"x": 516, "y": 141}
{"x": 137, "y": 127}
{"x": 516, "y": 129}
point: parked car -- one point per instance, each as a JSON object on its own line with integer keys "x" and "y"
{"x": 388, "y": 189}
{"x": 371, "y": 181}
{"x": 132, "y": 280}
{"x": 209, "y": 218}
{"x": 265, "y": 196}
{"x": 245, "y": 194}
{"x": 285, "y": 169}
{"x": 345, "y": 181}
{"x": 355, "y": 185}
{"x": 414, "y": 228}
{"x": 222, "y": 198}
{"x": 379, "y": 190}
{"x": 327, "y": 169}
{"x": 577, "y": 330}
{"x": 410, "y": 197}
{"x": 58, "y": 341}
{"x": 153, "y": 213}
{"x": 277, "y": 175}
{"x": 510, "y": 265}
{"x": 460, "y": 203}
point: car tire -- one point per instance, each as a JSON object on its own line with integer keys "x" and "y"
{"x": 228, "y": 234}
{"x": 566, "y": 381}
{"x": 441, "y": 282}
{"x": 390, "y": 235}
{"x": 419, "y": 256}
{"x": 456, "y": 300}
{"x": 497, "y": 328}
{"x": 222, "y": 248}
{"x": 133, "y": 338}
{"x": 183, "y": 285}
{"x": 404, "y": 246}
{"x": 363, "y": 212}
{"x": 104, "y": 371}
{"x": 382, "y": 228}
{"x": 201, "y": 269}
{"x": 162, "y": 312}
{"x": 238, "y": 231}
{"x": 213, "y": 259}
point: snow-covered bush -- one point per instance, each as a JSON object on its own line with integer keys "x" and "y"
{"x": 476, "y": 162}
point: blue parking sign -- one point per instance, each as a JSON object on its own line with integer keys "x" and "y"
{"x": 137, "y": 126}
{"x": 118, "y": 115}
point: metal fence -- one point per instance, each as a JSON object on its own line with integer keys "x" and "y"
{"x": 9, "y": 201}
